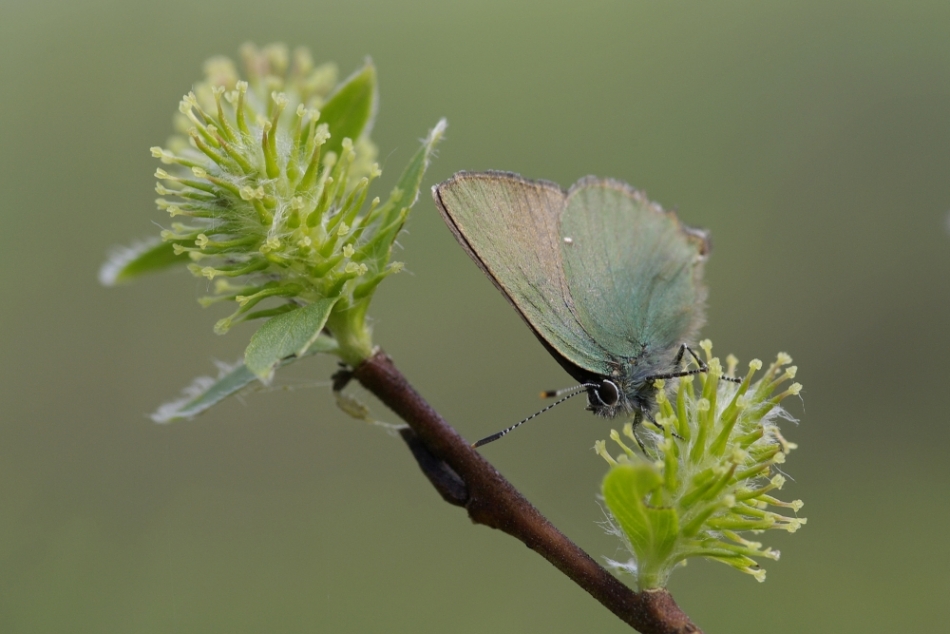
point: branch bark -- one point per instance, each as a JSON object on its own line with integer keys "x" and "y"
{"x": 464, "y": 478}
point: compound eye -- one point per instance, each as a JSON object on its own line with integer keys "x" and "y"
{"x": 608, "y": 392}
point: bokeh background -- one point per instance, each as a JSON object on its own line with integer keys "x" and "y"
{"x": 812, "y": 138}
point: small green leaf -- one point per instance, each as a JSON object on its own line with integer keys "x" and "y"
{"x": 411, "y": 178}
{"x": 409, "y": 183}
{"x": 350, "y": 109}
{"x": 289, "y": 334}
{"x": 206, "y": 392}
{"x": 126, "y": 263}
{"x": 652, "y": 531}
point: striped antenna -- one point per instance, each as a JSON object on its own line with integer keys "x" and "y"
{"x": 702, "y": 367}
{"x": 563, "y": 390}
{"x": 572, "y": 392}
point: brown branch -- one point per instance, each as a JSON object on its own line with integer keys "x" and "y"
{"x": 464, "y": 478}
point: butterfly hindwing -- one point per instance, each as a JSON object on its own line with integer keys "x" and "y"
{"x": 633, "y": 270}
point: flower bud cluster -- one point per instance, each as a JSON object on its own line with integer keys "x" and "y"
{"x": 261, "y": 205}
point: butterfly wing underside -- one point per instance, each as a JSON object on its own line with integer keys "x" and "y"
{"x": 633, "y": 270}
{"x": 509, "y": 227}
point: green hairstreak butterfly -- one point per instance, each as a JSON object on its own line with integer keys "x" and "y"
{"x": 609, "y": 282}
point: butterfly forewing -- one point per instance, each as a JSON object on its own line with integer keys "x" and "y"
{"x": 509, "y": 226}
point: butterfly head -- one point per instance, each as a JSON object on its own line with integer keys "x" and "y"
{"x": 622, "y": 393}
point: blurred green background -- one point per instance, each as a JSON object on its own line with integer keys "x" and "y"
{"x": 811, "y": 138}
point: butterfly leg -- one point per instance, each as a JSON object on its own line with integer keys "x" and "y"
{"x": 702, "y": 367}
{"x": 682, "y": 351}
{"x": 679, "y": 355}
{"x": 676, "y": 363}
{"x": 637, "y": 419}
{"x": 659, "y": 426}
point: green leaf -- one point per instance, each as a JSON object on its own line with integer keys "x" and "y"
{"x": 349, "y": 111}
{"x": 411, "y": 178}
{"x": 409, "y": 183}
{"x": 652, "y": 531}
{"x": 289, "y": 334}
{"x": 205, "y": 392}
{"x": 126, "y": 263}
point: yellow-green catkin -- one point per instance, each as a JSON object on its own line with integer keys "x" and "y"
{"x": 709, "y": 476}
{"x": 266, "y": 187}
